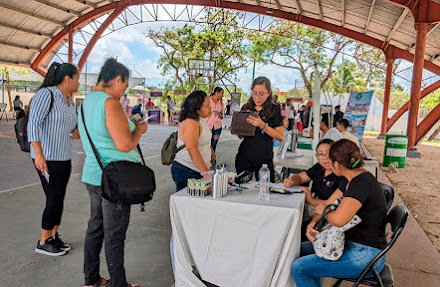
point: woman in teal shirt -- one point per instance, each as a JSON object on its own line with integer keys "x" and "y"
{"x": 115, "y": 138}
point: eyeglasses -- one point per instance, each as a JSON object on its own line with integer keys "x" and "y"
{"x": 260, "y": 94}
{"x": 322, "y": 155}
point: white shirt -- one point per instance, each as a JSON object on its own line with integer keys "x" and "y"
{"x": 333, "y": 134}
{"x": 183, "y": 156}
{"x": 290, "y": 112}
{"x": 170, "y": 104}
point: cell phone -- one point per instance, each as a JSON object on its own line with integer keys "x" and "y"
{"x": 278, "y": 190}
{"x": 46, "y": 176}
{"x": 136, "y": 118}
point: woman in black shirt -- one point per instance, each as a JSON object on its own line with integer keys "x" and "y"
{"x": 363, "y": 197}
{"x": 254, "y": 151}
{"x": 324, "y": 181}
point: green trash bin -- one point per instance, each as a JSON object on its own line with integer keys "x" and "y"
{"x": 395, "y": 150}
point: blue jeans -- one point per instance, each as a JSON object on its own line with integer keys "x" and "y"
{"x": 309, "y": 268}
{"x": 215, "y": 136}
{"x": 181, "y": 173}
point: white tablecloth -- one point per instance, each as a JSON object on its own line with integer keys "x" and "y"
{"x": 237, "y": 240}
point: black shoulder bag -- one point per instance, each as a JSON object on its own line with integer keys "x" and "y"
{"x": 125, "y": 182}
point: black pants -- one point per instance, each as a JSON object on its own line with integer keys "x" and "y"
{"x": 291, "y": 124}
{"x": 55, "y": 190}
{"x": 243, "y": 163}
{"x": 108, "y": 223}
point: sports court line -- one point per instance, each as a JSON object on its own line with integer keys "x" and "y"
{"x": 28, "y": 185}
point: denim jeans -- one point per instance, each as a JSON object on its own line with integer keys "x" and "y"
{"x": 309, "y": 268}
{"x": 108, "y": 223}
{"x": 181, "y": 173}
{"x": 215, "y": 133}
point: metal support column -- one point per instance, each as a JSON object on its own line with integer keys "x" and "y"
{"x": 386, "y": 97}
{"x": 416, "y": 84}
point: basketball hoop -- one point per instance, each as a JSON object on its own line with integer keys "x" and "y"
{"x": 201, "y": 68}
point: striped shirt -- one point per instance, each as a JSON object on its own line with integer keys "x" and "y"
{"x": 52, "y": 129}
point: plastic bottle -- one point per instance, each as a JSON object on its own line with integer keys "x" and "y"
{"x": 264, "y": 177}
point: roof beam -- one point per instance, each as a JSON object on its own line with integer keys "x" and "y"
{"x": 343, "y": 12}
{"x": 58, "y": 7}
{"x": 318, "y": 2}
{"x": 396, "y": 26}
{"x": 31, "y": 14}
{"x": 435, "y": 26}
{"x": 299, "y": 7}
{"x": 279, "y": 4}
{"x": 20, "y": 47}
{"x": 94, "y": 6}
{"x": 26, "y": 31}
{"x": 369, "y": 16}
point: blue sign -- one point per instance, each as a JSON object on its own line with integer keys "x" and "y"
{"x": 356, "y": 112}
{"x": 156, "y": 94}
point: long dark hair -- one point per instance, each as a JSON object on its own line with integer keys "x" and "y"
{"x": 216, "y": 90}
{"x": 346, "y": 153}
{"x": 268, "y": 104}
{"x": 192, "y": 104}
{"x": 111, "y": 70}
{"x": 56, "y": 73}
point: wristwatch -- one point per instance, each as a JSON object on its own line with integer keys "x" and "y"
{"x": 265, "y": 128}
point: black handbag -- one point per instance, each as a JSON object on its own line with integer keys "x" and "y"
{"x": 125, "y": 182}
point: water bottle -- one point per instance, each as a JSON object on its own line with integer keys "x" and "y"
{"x": 264, "y": 177}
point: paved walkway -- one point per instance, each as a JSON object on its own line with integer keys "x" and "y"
{"x": 414, "y": 260}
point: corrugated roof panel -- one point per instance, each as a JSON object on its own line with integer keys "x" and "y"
{"x": 38, "y": 9}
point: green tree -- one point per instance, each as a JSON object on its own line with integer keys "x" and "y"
{"x": 431, "y": 101}
{"x": 6, "y": 72}
{"x": 299, "y": 47}
{"x": 212, "y": 40}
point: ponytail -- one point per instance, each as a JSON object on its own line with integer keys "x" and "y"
{"x": 111, "y": 70}
{"x": 56, "y": 73}
{"x": 346, "y": 153}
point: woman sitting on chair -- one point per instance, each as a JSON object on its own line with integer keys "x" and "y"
{"x": 325, "y": 182}
{"x": 363, "y": 197}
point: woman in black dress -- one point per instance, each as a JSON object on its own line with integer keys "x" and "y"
{"x": 254, "y": 151}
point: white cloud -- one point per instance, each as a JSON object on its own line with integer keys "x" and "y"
{"x": 281, "y": 78}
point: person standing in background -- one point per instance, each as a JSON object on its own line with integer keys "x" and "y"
{"x": 228, "y": 108}
{"x": 125, "y": 102}
{"x": 214, "y": 121}
{"x": 18, "y": 107}
{"x": 170, "y": 107}
{"x": 290, "y": 114}
{"x": 149, "y": 105}
{"x": 338, "y": 115}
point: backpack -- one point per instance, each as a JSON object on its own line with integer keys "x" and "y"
{"x": 169, "y": 149}
{"x": 21, "y": 128}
